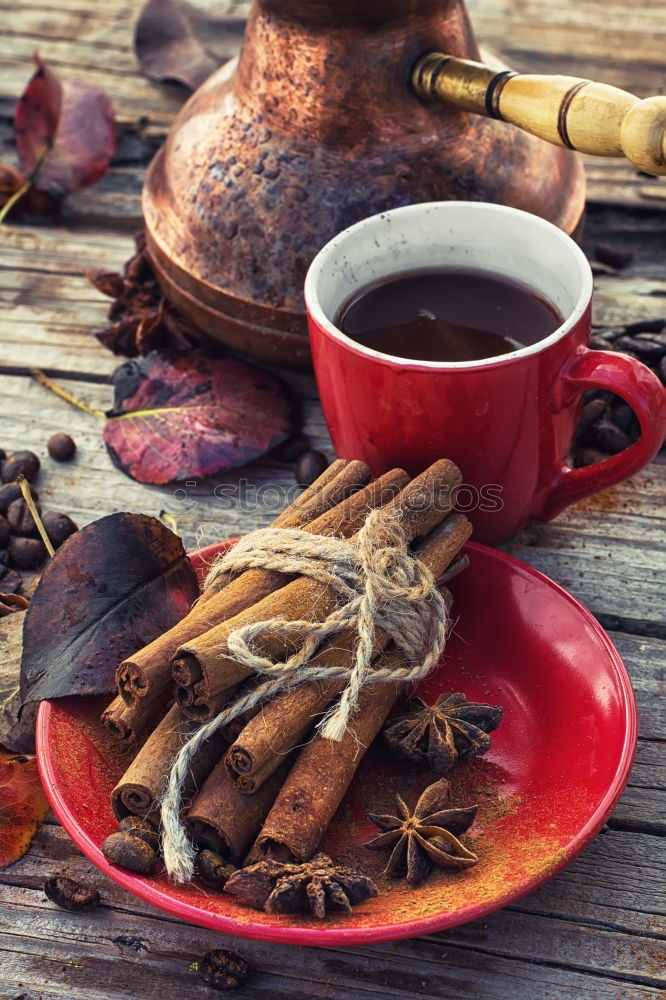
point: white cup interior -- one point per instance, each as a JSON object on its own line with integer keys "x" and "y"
{"x": 505, "y": 241}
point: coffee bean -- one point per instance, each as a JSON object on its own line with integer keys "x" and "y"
{"x": 624, "y": 417}
{"x": 26, "y": 553}
{"x": 605, "y": 394}
{"x": 646, "y": 350}
{"x": 590, "y": 413}
{"x": 10, "y": 492}
{"x": 610, "y": 438}
{"x": 20, "y": 518}
{"x": 70, "y": 895}
{"x": 291, "y": 449}
{"x": 20, "y": 463}
{"x": 223, "y": 970}
{"x": 129, "y": 851}
{"x": 140, "y": 828}
{"x": 582, "y": 457}
{"x": 61, "y": 447}
{"x": 614, "y": 256}
{"x": 310, "y": 466}
{"x": 5, "y": 532}
{"x": 213, "y": 869}
{"x": 646, "y": 326}
{"x": 3, "y": 454}
{"x": 10, "y": 581}
{"x": 58, "y": 527}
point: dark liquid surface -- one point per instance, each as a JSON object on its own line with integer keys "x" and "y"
{"x": 447, "y": 314}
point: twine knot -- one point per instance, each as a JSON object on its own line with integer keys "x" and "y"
{"x": 382, "y": 587}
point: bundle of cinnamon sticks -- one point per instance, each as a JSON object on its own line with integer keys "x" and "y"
{"x": 263, "y": 786}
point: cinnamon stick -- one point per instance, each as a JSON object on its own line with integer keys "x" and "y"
{"x": 188, "y": 671}
{"x": 139, "y": 790}
{"x": 223, "y": 820}
{"x": 420, "y": 506}
{"x": 284, "y": 721}
{"x": 128, "y": 723}
{"x": 149, "y": 668}
{"x": 321, "y": 775}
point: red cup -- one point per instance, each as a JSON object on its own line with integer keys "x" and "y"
{"x": 507, "y": 422}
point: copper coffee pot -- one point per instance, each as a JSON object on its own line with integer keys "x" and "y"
{"x": 336, "y": 110}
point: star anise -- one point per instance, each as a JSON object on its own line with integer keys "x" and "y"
{"x": 450, "y": 730}
{"x": 426, "y": 836}
{"x": 143, "y": 319}
{"x": 317, "y": 886}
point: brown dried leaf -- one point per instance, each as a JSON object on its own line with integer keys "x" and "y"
{"x": 174, "y": 40}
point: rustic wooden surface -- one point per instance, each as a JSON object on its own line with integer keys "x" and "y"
{"x": 596, "y": 930}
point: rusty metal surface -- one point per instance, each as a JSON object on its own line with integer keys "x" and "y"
{"x": 316, "y": 128}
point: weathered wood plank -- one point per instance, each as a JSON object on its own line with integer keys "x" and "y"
{"x": 616, "y": 883}
{"x": 73, "y": 949}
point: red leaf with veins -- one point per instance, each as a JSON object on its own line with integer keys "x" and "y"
{"x": 69, "y": 122}
{"x": 178, "y": 417}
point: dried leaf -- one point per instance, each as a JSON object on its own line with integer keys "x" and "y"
{"x": 16, "y": 735}
{"x": 69, "y": 122}
{"x": 174, "y": 40}
{"x": 111, "y": 588}
{"x": 177, "y": 417}
{"x": 23, "y": 805}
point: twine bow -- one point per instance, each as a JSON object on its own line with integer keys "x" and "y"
{"x": 383, "y": 587}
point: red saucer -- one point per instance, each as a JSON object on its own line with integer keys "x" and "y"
{"x": 557, "y": 766}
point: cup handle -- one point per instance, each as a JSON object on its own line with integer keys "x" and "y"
{"x": 644, "y": 393}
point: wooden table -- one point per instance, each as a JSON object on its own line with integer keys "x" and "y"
{"x": 597, "y": 929}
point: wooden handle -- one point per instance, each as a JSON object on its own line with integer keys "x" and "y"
{"x": 582, "y": 115}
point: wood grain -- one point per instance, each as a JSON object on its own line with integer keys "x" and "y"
{"x": 596, "y": 930}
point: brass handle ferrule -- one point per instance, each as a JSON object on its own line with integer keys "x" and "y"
{"x": 579, "y": 114}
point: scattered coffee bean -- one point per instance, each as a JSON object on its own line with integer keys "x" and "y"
{"x": 61, "y": 447}
{"x": 4, "y": 559}
{"x": 614, "y": 256}
{"x": 58, "y": 527}
{"x": 11, "y": 582}
{"x": 20, "y": 462}
{"x": 223, "y": 970}
{"x": 26, "y": 553}
{"x": 213, "y": 869}
{"x": 310, "y": 466}
{"x": 10, "y": 492}
{"x": 20, "y": 518}
{"x": 590, "y": 413}
{"x": 3, "y": 454}
{"x": 625, "y": 418}
{"x": 583, "y": 457}
{"x": 292, "y": 449}
{"x": 610, "y": 438}
{"x": 69, "y": 894}
{"x": 645, "y": 348}
{"x": 5, "y": 532}
{"x": 129, "y": 851}
{"x": 645, "y": 326}
{"x": 11, "y": 603}
{"x": 142, "y": 829}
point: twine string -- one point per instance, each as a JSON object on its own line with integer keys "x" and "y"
{"x": 383, "y": 587}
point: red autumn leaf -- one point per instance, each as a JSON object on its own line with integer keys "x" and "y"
{"x": 110, "y": 589}
{"x": 174, "y": 40}
{"x": 180, "y": 417}
{"x": 69, "y": 122}
{"x": 23, "y": 805}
